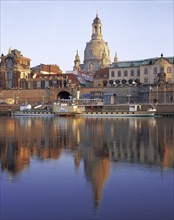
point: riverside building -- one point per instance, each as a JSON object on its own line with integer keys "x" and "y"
{"x": 14, "y": 68}
{"x": 147, "y": 71}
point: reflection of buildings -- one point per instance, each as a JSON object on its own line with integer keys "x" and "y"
{"x": 22, "y": 138}
{"x": 97, "y": 169}
{"x": 93, "y": 141}
{"x": 97, "y": 172}
{"x": 143, "y": 141}
{"x": 14, "y": 158}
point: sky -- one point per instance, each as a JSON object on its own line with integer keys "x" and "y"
{"x": 50, "y": 32}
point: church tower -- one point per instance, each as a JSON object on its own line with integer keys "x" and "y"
{"x": 97, "y": 29}
{"x": 96, "y": 54}
{"x": 115, "y": 58}
{"x": 77, "y": 62}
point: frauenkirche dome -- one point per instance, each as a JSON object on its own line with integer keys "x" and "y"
{"x": 96, "y": 54}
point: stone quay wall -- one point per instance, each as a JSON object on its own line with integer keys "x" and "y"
{"x": 122, "y": 95}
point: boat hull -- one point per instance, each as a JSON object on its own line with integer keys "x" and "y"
{"x": 33, "y": 113}
{"x": 117, "y": 114}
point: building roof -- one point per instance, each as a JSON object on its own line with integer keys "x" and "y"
{"x": 40, "y": 75}
{"x": 97, "y": 19}
{"x": 138, "y": 63}
{"x": 73, "y": 78}
{"x": 133, "y": 63}
{"x": 102, "y": 73}
{"x": 49, "y": 68}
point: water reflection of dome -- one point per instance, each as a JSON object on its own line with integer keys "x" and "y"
{"x": 97, "y": 170}
{"x": 100, "y": 175}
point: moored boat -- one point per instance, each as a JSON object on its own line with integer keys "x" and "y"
{"x": 66, "y": 108}
{"x": 96, "y": 108}
{"x": 28, "y": 111}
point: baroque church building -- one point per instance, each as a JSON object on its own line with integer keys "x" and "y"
{"x": 14, "y": 68}
{"x": 96, "y": 54}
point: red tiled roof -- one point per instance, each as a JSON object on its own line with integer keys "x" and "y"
{"x": 72, "y": 77}
{"x": 102, "y": 73}
{"x": 50, "y": 68}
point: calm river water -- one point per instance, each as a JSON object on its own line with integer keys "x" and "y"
{"x": 86, "y": 168}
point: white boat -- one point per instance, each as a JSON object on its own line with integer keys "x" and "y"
{"x": 26, "y": 110}
{"x": 66, "y": 109}
{"x": 25, "y": 107}
{"x": 96, "y": 108}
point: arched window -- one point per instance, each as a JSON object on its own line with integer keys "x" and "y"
{"x": 138, "y": 72}
{"x": 125, "y": 73}
{"x": 161, "y": 69}
{"x": 145, "y": 71}
{"x": 119, "y": 73}
{"x": 169, "y": 69}
{"x": 132, "y": 72}
{"x": 112, "y": 74}
{"x": 95, "y": 29}
{"x": 155, "y": 70}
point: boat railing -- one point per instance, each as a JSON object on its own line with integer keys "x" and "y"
{"x": 79, "y": 102}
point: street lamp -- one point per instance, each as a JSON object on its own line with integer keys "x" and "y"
{"x": 165, "y": 94}
{"x": 150, "y": 88}
{"x": 157, "y": 95}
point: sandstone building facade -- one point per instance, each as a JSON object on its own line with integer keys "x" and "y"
{"x": 14, "y": 67}
{"x": 147, "y": 71}
{"x": 96, "y": 53}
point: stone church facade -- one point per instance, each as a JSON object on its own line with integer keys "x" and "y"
{"x": 13, "y": 68}
{"x": 96, "y": 53}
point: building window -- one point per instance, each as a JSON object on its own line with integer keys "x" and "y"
{"x": 169, "y": 80}
{"x": 138, "y": 72}
{"x": 145, "y": 80}
{"x": 155, "y": 80}
{"x": 125, "y": 73}
{"x": 169, "y": 69}
{"x": 54, "y": 82}
{"x": 145, "y": 71}
{"x": 39, "y": 84}
{"x": 30, "y": 85}
{"x": 155, "y": 70}
{"x": 119, "y": 73}
{"x": 162, "y": 69}
{"x": 112, "y": 74}
{"x": 132, "y": 72}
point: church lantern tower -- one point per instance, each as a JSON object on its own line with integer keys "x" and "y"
{"x": 96, "y": 54}
{"x": 97, "y": 28}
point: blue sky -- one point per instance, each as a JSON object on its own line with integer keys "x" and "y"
{"x": 50, "y": 32}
